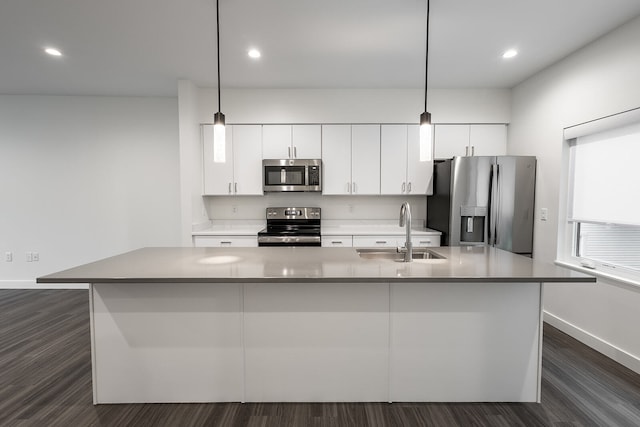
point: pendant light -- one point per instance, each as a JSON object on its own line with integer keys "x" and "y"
{"x": 219, "y": 143}
{"x": 426, "y": 131}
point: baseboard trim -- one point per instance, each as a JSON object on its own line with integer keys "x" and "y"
{"x": 611, "y": 351}
{"x": 31, "y": 284}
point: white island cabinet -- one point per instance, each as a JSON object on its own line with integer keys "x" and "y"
{"x": 308, "y": 324}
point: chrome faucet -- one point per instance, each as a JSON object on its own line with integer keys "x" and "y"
{"x": 405, "y": 221}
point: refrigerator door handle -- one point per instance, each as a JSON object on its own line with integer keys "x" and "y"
{"x": 495, "y": 221}
{"x": 492, "y": 214}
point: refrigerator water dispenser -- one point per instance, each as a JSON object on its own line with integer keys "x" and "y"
{"x": 472, "y": 223}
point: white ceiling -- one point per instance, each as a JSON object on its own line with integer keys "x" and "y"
{"x": 142, "y": 47}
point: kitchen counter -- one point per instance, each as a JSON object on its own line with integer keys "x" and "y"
{"x": 301, "y": 264}
{"x": 329, "y": 228}
{"x": 315, "y": 325}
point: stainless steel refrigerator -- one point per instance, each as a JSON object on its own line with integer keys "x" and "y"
{"x": 484, "y": 200}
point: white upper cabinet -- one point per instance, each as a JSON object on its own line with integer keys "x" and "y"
{"x": 218, "y": 176}
{"x": 488, "y": 140}
{"x": 307, "y": 141}
{"x": 365, "y": 159}
{"x": 470, "y": 140}
{"x": 240, "y": 173}
{"x": 276, "y": 142}
{"x": 393, "y": 162}
{"x": 336, "y": 159}
{"x": 401, "y": 170}
{"x": 247, "y": 161}
{"x": 450, "y": 141}
{"x": 291, "y": 142}
{"x": 419, "y": 173}
{"x": 351, "y": 159}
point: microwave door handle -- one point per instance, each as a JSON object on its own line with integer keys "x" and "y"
{"x": 283, "y": 176}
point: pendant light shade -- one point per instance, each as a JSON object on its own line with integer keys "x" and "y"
{"x": 219, "y": 142}
{"x": 426, "y": 130}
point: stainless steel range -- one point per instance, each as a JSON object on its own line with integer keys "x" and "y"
{"x": 291, "y": 227}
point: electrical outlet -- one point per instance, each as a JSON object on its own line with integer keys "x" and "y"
{"x": 8, "y": 257}
{"x": 544, "y": 214}
{"x": 36, "y": 257}
{"x": 234, "y": 208}
{"x": 29, "y": 257}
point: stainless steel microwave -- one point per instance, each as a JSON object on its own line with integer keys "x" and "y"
{"x": 280, "y": 175}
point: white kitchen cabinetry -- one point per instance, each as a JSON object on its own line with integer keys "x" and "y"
{"x": 337, "y": 241}
{"x": 365, "y": 159}
{"x": 336, "y": 159}
{"x": 394, "y": 241}
{"x": 375, "y": 241}
{"x": 225, "y": 241}
{"x": 401, "y": 171}
{"x": 240, "y": 173}
{"x": 470, "y": 140}
{"x": 291, "y": 142}
{"x": 488, "y": 140}
{"x": 351, "y": 159}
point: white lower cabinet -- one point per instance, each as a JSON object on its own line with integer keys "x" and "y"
{"x": 225, "y": 241}
{"x": 316, "y": 342}
{"x": 337, "y": 241}
{"x": 393, "y": 241}
{"x": 425, "y": 241}
{"x": 375, "y": 241}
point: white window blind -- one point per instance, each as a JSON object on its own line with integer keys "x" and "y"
{"x": 616, "y": 245}
{"x": 606, "y": 177}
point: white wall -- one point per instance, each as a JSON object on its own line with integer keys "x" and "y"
{"x": 84, "y": 178}
{"x": 336, "y": 106}
{"x": 355, "y": 105}
{"x": 599, "y": 80}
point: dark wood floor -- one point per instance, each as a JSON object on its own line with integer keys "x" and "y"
{"x": 45, "y": 380}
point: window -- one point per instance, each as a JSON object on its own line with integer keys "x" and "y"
{"x": 602, "y": 228}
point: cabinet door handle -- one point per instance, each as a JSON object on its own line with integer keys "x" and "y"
{"x": 466, "y": 150}
{"x": 473, "y": 149}
{"x": 355, "y": 189}
{"x": 409, "y": 188}
{"x": 425, "y": 242}
{"x": 229, "y": 188}
{"x": 336, "y": 242}
{"x": 235, "y": 187}
{"x": 403, "y": 186}
{"x": 295, "y": 152}
{"x": 381, "y": 242}
{"x": 289, "y": 152}
{"x": 224, "y": 242}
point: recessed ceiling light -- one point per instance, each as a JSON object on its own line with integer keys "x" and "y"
{"x": 254, "y": 53}
{"x": 510, "y": 53}
{"x": 53, "y": 51}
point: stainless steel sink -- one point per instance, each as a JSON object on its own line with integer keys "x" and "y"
{"x": 393, "y": 254}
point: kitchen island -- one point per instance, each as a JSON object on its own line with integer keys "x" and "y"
{"x": 315, "y": 324}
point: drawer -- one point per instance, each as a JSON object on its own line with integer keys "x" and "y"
{"x": 337, "y": 241}
{"x": 425, "y": 241}
{"x": 376, "y": 241}
{"x": 225, "y": 241}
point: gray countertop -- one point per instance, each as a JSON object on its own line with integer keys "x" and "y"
{"x": 304, "y": 264}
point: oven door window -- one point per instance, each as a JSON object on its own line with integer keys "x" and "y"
{"x": 284, "y": 175}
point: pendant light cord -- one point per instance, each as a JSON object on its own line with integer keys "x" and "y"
{"x": 218, "y": 51}
{"x": 426, "y": 67}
